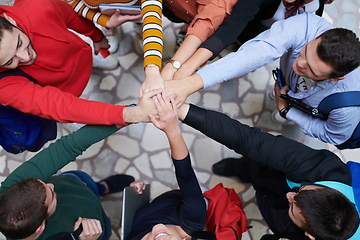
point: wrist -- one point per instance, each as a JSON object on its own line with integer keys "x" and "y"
{"x": 173, "y": 132}
{"x": 175, "y": 64}
{"x": 183, "y": 111}
{"x": 130, "y": 115}
{"x": 152, "y": 69}
{"x": 284, "y": 111}
{"x": 102, "y": 37}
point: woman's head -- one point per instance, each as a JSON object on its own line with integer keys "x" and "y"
{"x": 166, "y": 232}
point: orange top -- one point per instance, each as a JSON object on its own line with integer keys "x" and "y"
{"x": 205, "y": 15}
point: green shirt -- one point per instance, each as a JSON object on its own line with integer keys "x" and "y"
{"x": 74, "y": 199}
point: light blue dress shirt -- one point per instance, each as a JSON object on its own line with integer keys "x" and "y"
{"x": 284, "y": 40}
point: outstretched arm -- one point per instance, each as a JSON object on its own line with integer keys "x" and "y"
{"x": 153, "y": 44}
{"x": 185, "y": 51}
{"x": 51, "y": 159}
{"x": 192, "y": 212}
{"x": 298, "y": 162}
{"x": 168, "y": 123}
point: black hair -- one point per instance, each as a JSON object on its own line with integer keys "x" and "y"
{"x": 5, "y": 25}
{"x": 340, "y": 49}
{"x": 328, "y": 214}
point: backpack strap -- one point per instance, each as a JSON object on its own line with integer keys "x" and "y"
{"x": 16, "y": 72}
{"x": 339, "y": 100}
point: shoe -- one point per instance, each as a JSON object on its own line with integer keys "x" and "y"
{"x": 225, "y": 167}
{"x": 234, "y": 167}
{"x": 117, "y": 183}
{"x": 269, "y": 237}
{"x": 112, "y": 35}
{"x": 108, "y": 63}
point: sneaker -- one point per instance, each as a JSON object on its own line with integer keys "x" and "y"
{"x": 108, "y": 63}
{"x": 116, "y": 183}
{"x": 225, "y": 167}
{"x": 234, "y": 167}
{"x": 112, "y": 35}
{"x": 276, "y": 118}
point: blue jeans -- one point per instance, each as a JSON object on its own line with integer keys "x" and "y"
{"x": 89, "y": 182}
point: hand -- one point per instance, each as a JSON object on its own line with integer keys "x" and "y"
{"x": 153, "y": 80}
{"x": 102, "y": 44}
{"x": 280, "y": 103}
{"x": 91, "y": 228}
{"x": 117, "y": 19}
{"x": 139, "y": 186}
{"x": 176, "y": 87}
{"x": 168, "y": 71}
{"x": 141, "y": 112}
{"x": 168, "y": 114}
{"x": 184, "y": 71}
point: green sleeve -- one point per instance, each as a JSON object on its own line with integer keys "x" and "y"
{"x": 51, "y": 159}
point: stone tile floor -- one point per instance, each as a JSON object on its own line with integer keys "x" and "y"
{"x": 142, "y": 151}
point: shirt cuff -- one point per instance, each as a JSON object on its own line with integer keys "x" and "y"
{"x": 195, "y": 117}
{"x": 213, "y": 44}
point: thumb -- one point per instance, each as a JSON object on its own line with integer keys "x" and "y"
{"x": 77, "y": 223}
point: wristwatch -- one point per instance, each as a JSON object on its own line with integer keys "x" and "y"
{"x": 176, "y": 64}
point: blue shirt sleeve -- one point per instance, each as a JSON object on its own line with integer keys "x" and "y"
{"x": 268, "y": 46}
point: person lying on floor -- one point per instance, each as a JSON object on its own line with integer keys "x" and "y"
{"x": 176, "y": 213}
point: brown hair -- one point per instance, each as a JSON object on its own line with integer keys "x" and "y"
{"x": 22, "y": 208}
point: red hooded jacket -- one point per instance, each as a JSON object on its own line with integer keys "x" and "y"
{"x": 62, "y": 69}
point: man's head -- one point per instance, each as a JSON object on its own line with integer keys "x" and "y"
{"x": 323, "y": 213}
{"x": 24, "y": 207}
{"x": 15, "y": 46}
{"x": 332, "y": 55}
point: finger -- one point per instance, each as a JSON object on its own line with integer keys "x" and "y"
{"x": 178, "y": 102}
{"x": 157, "y": 103}
{"x": 77, "y": 223}
{"x": 141, "y": 92}
{"x": 167, "y": 100}
{"x": 173, "y": 104}
{"x": 153, "y": 93}
{"x": 161, "y": 102}
{"x": 97, "y": 226}
{"x": 94, "y": 227}
{"x": 100, "y": 230}
{"x": 154, "y": 121}
{"x": 85, "y": 225}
